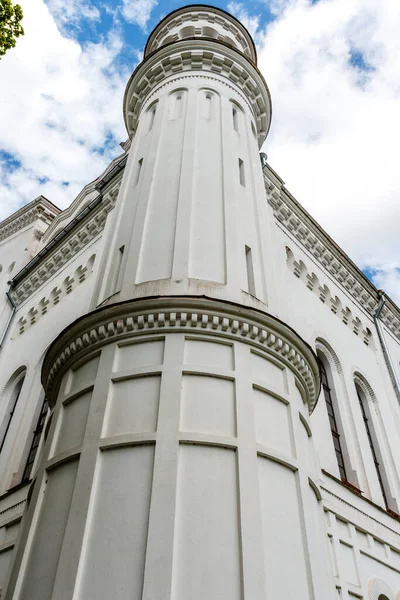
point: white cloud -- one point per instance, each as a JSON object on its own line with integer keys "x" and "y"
{"x": 388, "y": 279}
{"x": 138, "y": 11}
{"x": 251, "y": 22}
{"x": 72, "y": 11}
{"x": 60, "y": 104}
{"x": 335, "y": 135}
{"x": 335, "y": 128}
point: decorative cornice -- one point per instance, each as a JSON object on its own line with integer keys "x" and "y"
{"x": 85, "y": 196}
{"x": 172, "y": 82}
{"x": 198, "y": 56}
{"x": 39, "y": 209}
{"x": 189, "y": 17}
{"x": 188, "y": 314}
{"x": 309, "y": 234}
{"x": 79, "y": 237}
{"x": 53, "y": 297}
{"x": 328, "y": 298}
{"x": 338, "y": 500}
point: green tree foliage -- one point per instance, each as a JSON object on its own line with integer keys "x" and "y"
{"x": 10, "y": 25}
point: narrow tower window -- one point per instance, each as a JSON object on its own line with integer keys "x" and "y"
{"x": 15, "y": 394}
{"x": 333, "y": 421}
{"x": 371, "y": 435}
{"x": 152, "y": 115}
{"x": 241, "y": 172}
{"x": 119, "y": 272}
{"x": 207, "y": 105}
{"x": 250, "y": 272}
{"x": 178, "y": 106}
{"x": 37, "y": 434}
{"x": 235, "y": 118}
{"x": 139, "y": 169}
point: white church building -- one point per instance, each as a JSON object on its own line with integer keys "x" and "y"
{"x": 199, "y": 390}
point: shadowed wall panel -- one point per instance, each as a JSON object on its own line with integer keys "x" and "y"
{"x": 84, "y": 375}
{"x": 73, "y": 423}
{"x": 133, "y": 356}
{"x": 118, "y": 522}
{"x": 207, "y": 561}
{"x": 207, "y": 232}
{"x": 43, "y": 559}
{"x": 267, "y": 371}
{"x": 155, "y": 261}
{"x": 208, "y": 405}
{"x": 133, "y": 406}
{"x": 272, "y": 422}
{"x": 280, "y": 509}
{"x": 199, "y": 352}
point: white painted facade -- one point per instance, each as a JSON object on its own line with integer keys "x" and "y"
{"x": 172, "y": 316}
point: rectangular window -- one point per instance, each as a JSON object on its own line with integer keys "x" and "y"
{"x": 241, "y": 172}
{"x": 139, "y": 169}
{"x": 207, "y": 105}
{"x": 368, "y": 430}
{"x": 152, "y": 117}
{"x": 235, "y": 119}
{"x": 119, "y": 271}
{"x": 175, "y": 105}
{"x": 250, "y": 272}
{"x": 332, "y": 421}
{"x": 37, "y": 434}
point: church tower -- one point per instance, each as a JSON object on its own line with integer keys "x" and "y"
{"x": 178, "y": 461}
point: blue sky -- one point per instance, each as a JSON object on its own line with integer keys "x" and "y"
{"x": 332, "y": 68}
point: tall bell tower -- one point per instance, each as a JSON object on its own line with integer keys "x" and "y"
{"x": 179, "y": 461}
{"x": 192, "y": 213}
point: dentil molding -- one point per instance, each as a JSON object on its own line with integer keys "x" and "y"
{"x": 39, "y": 209}
{"x": 80, "y": 237}
{"x": 307, "y": 233}
{"x": 198, "y": 56}
{"x": 187, "y": 314}
{"x": 170, "y": 30}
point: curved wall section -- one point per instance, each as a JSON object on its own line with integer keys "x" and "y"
{"x": 205, "y": 22}
{"x": 176, "y": 462}
{"x": 192, "y": 216}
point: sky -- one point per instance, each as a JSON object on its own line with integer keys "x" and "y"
{"x": 332, "y": 67}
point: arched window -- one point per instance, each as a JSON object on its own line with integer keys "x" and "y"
{"x": 372, "y": 440}
{"x": 326, "y": 379}
{"x": 14, "y": 388}
{"x": 151, "y": 115}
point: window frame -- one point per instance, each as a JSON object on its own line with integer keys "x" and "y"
{"x": 370, "y": 430}
{"x": 331, "y": 410}
{"x": 36, "y": 440}
{"x": 16, "y": 382}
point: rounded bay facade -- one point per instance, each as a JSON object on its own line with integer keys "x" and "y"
{"x": 178, "y": 461}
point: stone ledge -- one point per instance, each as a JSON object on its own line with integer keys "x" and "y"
{"x": 171, "y": 314}
{"x": 302, "y": 228}
{"x": 203, "y": 57}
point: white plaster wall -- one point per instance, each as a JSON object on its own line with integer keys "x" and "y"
{"x": 187, "y": 478}
{"x": 191, "y": 455}
{"x": 314, "y": 319}
{"x": 27, "y": 346}
{"x": 184, "y": 217}
{"x": 15, "y": 252}
{"x": 355, "y": 557}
